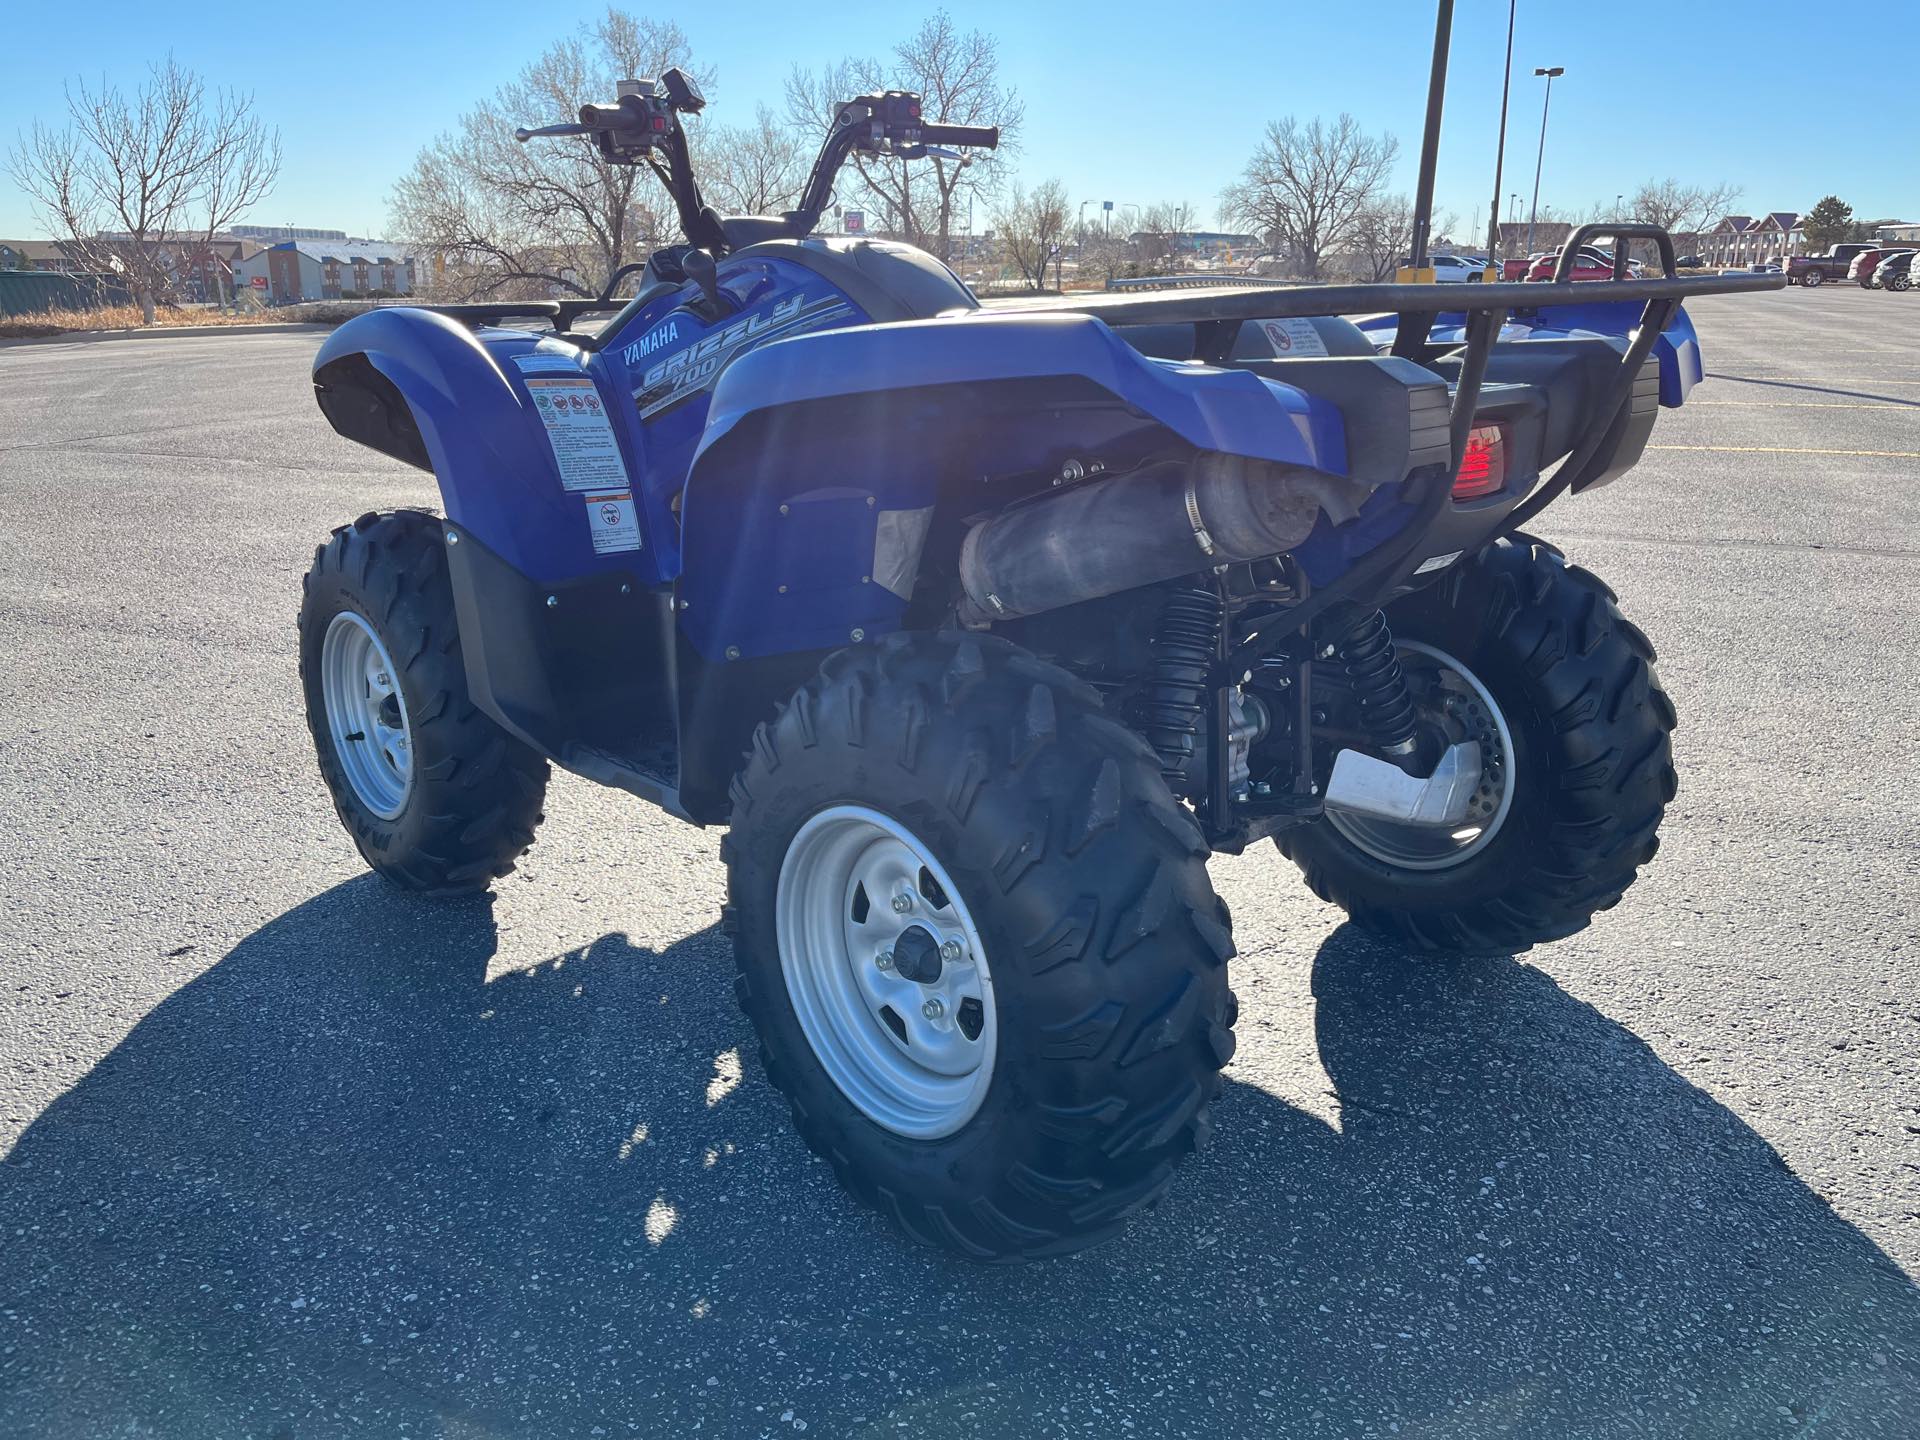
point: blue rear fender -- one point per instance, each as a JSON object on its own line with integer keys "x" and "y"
{"x": 828, "y": 459}
{"x": 1677, "y": 347}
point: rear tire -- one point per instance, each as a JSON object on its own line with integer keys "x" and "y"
{"x": 1591, "y": 770}
{"x": 1085, "y": 883}
{"x": 453, "y": 801}
{"x": 1812, "y": 279}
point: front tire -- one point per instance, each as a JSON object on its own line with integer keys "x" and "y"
{"x": 1576, "y": 700}
{"x": 435, "y": 795}
{"x": 1056, "y": 886}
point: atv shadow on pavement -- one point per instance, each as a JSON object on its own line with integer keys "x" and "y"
{"x": 343, "y": 1182}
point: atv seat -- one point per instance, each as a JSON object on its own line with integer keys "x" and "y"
{"x": 889, "y": 282}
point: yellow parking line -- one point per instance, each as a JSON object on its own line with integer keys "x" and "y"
{"x": 1805, "y": 404}
{"x": 1792, "y": 450}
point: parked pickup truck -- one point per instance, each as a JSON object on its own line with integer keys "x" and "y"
{"x": 1811, "y": 270}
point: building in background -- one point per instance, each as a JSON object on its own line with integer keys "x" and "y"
{"x": 198, "y": 269}
{"x": 38, "y": 255}
{"x": 1748, "y": 239}
{"x": 274, "y": 234}
{"x": 296, "y": 270}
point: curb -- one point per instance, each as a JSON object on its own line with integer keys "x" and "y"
{"x": 165, "y": 332}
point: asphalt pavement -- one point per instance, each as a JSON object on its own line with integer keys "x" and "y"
{"x": 286, "y": 1154}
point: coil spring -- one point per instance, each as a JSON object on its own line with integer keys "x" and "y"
{"x": 1173, "y": 703}
{"x": 1379, "y": 686}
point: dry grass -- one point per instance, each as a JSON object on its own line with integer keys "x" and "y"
{"x": 121, "y": 317}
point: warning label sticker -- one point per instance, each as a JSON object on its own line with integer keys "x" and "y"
{"x": 613, "y": 522}
{"x": 579, "y": 432}
{"x": 1293, "y": 337}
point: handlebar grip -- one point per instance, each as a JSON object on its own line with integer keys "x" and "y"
{"x": 984, "y": 137}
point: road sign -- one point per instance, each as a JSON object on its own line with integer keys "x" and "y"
{"x": 854, "y": 222}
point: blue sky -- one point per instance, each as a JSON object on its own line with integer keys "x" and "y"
{"x": 1129, "y": 101}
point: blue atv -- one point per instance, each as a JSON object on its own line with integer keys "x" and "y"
{"x": 981, "y": 631}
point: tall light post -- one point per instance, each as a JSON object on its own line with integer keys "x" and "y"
{"x": 1500, "y": 154}
{"x": 1541, "y": 159}
{"x": 1430, "y": 141}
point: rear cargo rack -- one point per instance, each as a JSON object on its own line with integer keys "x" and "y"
{"x": 1218, "y": 313}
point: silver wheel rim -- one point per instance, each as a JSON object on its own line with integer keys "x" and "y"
{"x": 366, "y": 715}
{"x": 914, "y": 1056}
{"x": 1449, "y": 692}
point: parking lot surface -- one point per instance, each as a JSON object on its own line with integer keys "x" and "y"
{"x": 288, "y": 1154}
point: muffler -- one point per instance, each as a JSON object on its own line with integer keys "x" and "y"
{"x": 1142, "y": 528}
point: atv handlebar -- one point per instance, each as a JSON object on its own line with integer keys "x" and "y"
{"x": 643, "y": 128}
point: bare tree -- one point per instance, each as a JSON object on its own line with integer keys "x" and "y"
{"x": 1307, "y": 185}
{"x": 1102, "y": 255}
{"x": 140, "y": 184}
{"x": 1382, "y": 237}
{"x": 958, "y": 79}
{"x": 1676, "y": 207}
{"x": 758, "y": 169}
{"x": 508, "y": 219}
{"x": 1162, "y": 228}
{"x": 1032, "y": 225}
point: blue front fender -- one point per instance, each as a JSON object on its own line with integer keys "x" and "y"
{"x": 483, "y": 437}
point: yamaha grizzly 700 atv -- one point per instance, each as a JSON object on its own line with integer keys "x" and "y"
{"x": 981, "y": 631}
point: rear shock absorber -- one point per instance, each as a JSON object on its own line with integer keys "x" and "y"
{"x": 1172, "y": 705}
{"x": 1379, "y": 687}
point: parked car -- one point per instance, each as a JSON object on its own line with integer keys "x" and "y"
{"x": 1896, "y": 271}
{"x": 1456, "y": 269}
{"x": 1861, "y": 268}
{"x": 1812, "y": 270}
{"x": 1589, "y": 264}
{"x": 1691, "y": 262}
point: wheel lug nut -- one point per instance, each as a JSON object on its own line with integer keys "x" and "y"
{"x": 884, "y": 959}
{"x": 950, "y": 951}
{"x": 933, "y": 1009}
{"x": 902, "y": 903}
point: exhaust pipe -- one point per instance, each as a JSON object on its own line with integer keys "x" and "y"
{"x": 1143, "y": 528}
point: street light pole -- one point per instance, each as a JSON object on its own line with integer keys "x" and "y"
{"x": 1540, "y": 160}
{"x": 1430, "y": 137}
{"x": 1500, "y": 154}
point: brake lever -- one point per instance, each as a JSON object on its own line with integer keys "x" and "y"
{"x": 523, "y": 134}
{"x": 926, "y": 152}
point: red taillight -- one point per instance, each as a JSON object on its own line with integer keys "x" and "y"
{"x": 1483, "y": 469}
